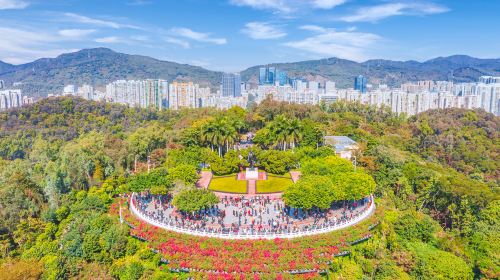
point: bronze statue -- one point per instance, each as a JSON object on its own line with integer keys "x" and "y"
{"x": 251, "y": 159}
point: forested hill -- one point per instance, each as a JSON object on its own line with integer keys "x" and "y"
{"x": 98, "y": 67}
{"x": 466, "y": 140}
{"x": 64, "y": 162}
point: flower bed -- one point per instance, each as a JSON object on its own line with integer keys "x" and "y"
{"x": 211, "y": 258}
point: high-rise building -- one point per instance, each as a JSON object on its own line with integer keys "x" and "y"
{"x": 262, "y": 75}
{"x": 360, "y": 83}
{"x": 298, "y": 85}
{"x": 28, "y": 100}
{"x": 271, "y": 76}
{"x": 313, "y": 86}
{"x": 10, "y": 98}
{"x": 267, "y": 76}
{"x": 489, "y": 80}
{"x": 282, "y": 77}
{"x": 86, "y": 92}
{"x": 183, "y": 95}
{"x": 143, "y": 93}
{"x": 330, "y": 86}
{"x": 69, "y": 90}
{"x": 231, "y": 85}
{"x": 156, "y": 93}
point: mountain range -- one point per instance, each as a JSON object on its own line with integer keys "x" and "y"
{"x": 100, "y": 66}
{"x": 457, "y": 68}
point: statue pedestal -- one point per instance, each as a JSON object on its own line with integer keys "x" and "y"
{"x": 252, "y": 174}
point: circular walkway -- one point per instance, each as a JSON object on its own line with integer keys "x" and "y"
{"x": 249, "y": 217}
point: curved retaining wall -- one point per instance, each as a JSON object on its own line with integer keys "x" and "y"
{"x": 270, "y": 236}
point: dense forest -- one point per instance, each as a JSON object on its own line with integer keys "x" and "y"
{"x": 65, "y": 161}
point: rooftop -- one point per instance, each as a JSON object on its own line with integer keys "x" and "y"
{"x": 341, "y": 143}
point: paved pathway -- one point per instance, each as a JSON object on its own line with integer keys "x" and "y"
{"x": 247, "y": 196}
{"x": 295, "y": 175}
{"x": 204, "y": 180}
{"x": 247, "y": 212}
{"x": 251, "y": 187}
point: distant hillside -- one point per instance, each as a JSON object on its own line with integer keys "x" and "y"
{"x": 5, "y": 67}
{"x": 98, "y": 66}
{"x": 458, "y": 68}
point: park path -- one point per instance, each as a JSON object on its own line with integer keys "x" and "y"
{"x": 295, "y": 176}
{"x": 204, "y": 180}
{"x": 252, "y": 187}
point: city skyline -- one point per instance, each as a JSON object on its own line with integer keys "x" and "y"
{"x": 409, "y": 98}
{"x": 250, "y": 32}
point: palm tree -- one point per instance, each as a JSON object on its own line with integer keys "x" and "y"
{"x": 213, "y": 134}
{"x": 207, "y": 134}
{"x": 278, "y": 129}
{"x": 218, "y": 134}
{"x": 294, "y": 132}
{"x": 230, "y": 136}
{"x": 238, "y": 124}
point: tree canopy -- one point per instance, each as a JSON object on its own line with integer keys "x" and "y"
{"x": 328, "y": 179}
{"x": 64, "y": 161}
{"x": 191, "y": 200}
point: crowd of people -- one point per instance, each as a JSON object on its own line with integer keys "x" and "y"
{"x": 248, "y": 215}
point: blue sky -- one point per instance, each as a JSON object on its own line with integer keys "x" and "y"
{"x": 231, "y": 35}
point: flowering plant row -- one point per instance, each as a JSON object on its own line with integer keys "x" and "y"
{"x": 246, "y": 259}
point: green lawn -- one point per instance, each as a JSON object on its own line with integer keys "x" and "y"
{"x": 273, "y": 184}
{"x": 228, "y": 184}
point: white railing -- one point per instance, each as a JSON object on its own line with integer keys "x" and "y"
{"x": 239, "y": 235}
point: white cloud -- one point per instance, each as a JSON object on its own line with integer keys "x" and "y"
{"x": 179, "y": 42}
{"x": 288, "y": 6}
{"x": 13, "y": 4}
{"x": 327, "y": 4}
{"x": 108, "y": 40}
{"x": 262, "y": 31}
{"x": 75, "y": 33}
{"x": 99, "y": 22}
{"x": 314, "y": 28}
{"x": 330, "y": 42}
{"x": 375, "y": 13}
{"x": 21, "y": 45}
{"x": 279, "y": 5}
{"x": 198, "y": 36}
